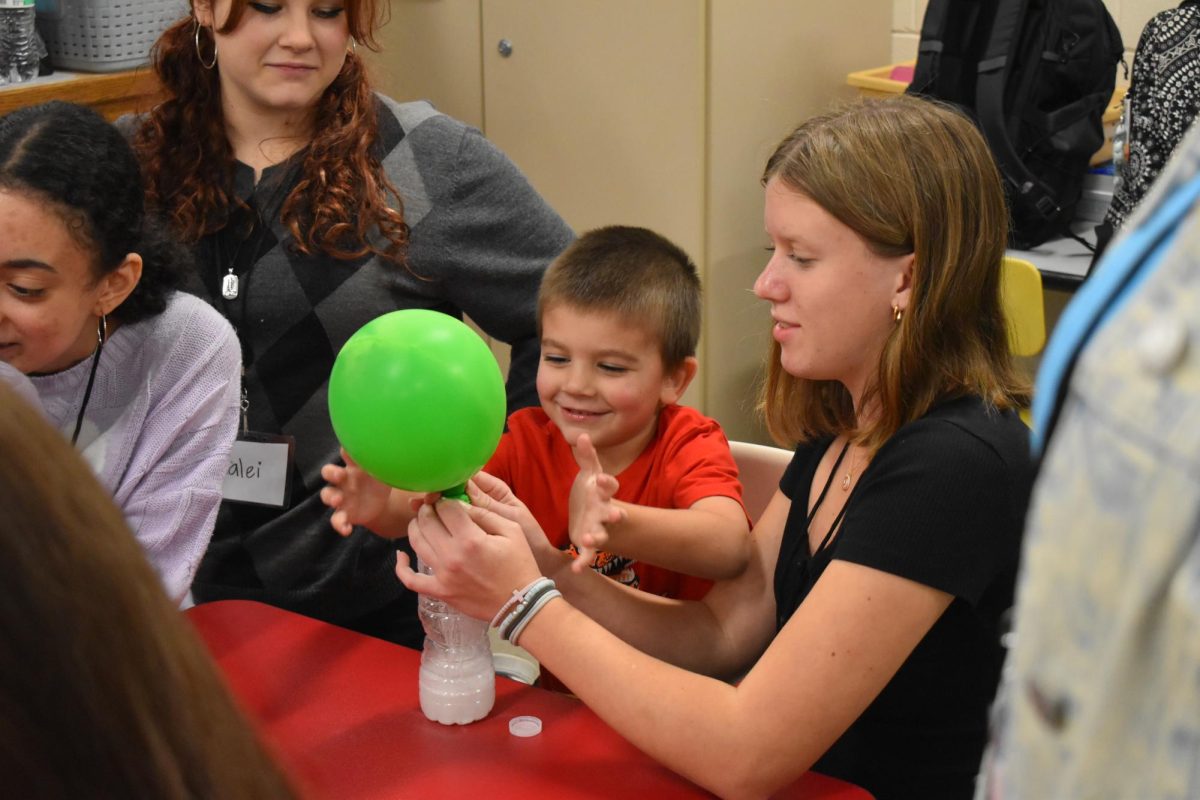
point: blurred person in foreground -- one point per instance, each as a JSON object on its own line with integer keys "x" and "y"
{"x": 106, "y": 692}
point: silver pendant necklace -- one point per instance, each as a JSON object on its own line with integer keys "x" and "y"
{"x": 229, "y": 286}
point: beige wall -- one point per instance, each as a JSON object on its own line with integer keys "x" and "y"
{"x": 1130, "y": 15}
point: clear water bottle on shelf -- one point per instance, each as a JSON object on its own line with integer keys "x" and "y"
{"x": 458, "y": 681}
{"x": 20, "y": 47}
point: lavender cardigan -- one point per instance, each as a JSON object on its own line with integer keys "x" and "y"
{"x": 158, "y": 427}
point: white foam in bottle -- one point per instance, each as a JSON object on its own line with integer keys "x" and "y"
{"x": 457, "y": 679}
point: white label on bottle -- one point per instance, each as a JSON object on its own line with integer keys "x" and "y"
{"x": 17, "y": 3}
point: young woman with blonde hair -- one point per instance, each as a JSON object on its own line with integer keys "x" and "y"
{"x": 866, "y": 628}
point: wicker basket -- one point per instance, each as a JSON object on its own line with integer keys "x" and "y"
{"x": 104, "y": 35}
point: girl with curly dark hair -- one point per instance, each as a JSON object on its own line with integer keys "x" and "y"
{"x": 315, "y": 205}
{"x": 142, "y": 378}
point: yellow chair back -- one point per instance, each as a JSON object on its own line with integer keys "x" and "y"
{"x": 1021, "y": 298}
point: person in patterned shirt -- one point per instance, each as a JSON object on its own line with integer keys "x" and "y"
{"x": 1162, "y": 101}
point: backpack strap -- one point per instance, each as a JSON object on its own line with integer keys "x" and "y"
{"x": 989, "y": 105}
{"x": 933, "y": 42}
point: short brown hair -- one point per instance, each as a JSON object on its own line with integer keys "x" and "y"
{"x": 635, "y": 273}
{"x": 908, "y": 175}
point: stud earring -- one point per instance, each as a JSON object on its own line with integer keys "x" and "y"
{"x": 897, "y": 313}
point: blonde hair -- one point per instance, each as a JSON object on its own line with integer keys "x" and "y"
{"x": 908, "y": 175}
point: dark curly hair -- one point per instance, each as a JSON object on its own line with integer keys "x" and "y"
{"x": 79, "y": 165}
{"x": 343, "y": 195}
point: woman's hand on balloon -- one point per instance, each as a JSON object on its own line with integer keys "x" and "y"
{"x": 355, "y": 497}
{"x": 591, "y": 505}
{"x": 478, "y": 558}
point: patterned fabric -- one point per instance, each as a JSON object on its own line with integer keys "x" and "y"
{"x": 158, "y": 427}
{"x": 481, "y": 238}
{"x": 1163, "y": 97}
{"x": 1101, "y": 696}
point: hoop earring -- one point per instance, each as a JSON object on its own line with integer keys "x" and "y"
{"x": 102, "y": 330}
{"x": 353, "y": 48}
{"x": 199, "y": 55}
{"x": 897, "y": 313}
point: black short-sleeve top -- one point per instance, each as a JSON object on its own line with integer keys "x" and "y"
{"x": 942, "y": 503}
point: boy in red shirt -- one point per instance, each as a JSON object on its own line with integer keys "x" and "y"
{"x": 619, "y": 317}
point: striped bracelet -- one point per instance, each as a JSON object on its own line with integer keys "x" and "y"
{"x": 522, "y": 607}
{"x": 517, "y": 596}
{"x": 537, "y": 606}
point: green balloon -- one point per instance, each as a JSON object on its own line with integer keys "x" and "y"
{"x": 417, "y": 399}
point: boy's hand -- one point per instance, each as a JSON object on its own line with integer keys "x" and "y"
{"x": 591, "y": 505}
{"x": 355, "y": 497}
{"x": 488, "y": 491}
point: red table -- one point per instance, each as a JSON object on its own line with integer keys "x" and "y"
{"x": 341, "y": 711}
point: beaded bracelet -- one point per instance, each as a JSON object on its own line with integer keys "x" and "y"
{"x": 537, "y": 606}
{"x": 517, "y": 596}
{"x": 522, "y": 608}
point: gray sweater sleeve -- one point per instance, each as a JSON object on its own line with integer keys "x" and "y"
{"x": 485, "y": 236}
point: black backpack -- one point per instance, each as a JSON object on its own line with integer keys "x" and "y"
{"x": 1036, "y": 76}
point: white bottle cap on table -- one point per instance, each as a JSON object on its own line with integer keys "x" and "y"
{"x": 524, "y": 726}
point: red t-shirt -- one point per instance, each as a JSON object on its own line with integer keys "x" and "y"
{"x": 688, "y": 459}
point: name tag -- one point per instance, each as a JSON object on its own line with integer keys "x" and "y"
{"x": 260, "y": 470}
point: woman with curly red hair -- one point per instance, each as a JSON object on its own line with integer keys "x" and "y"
{"x": 315, "y": 205}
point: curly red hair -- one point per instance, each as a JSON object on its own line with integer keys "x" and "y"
{"x": 343, "y": 192}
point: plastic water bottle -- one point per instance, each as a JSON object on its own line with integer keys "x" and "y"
{"x": 20, "y": 48}
{"x": 458, "y": 681}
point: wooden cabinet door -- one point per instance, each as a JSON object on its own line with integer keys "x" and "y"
{"x": 602, "y": 104}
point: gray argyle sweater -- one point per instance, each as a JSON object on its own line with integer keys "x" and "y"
{"x": 481, "y": 238}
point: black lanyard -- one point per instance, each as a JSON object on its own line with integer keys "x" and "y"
{"x": 101, "y": 336}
